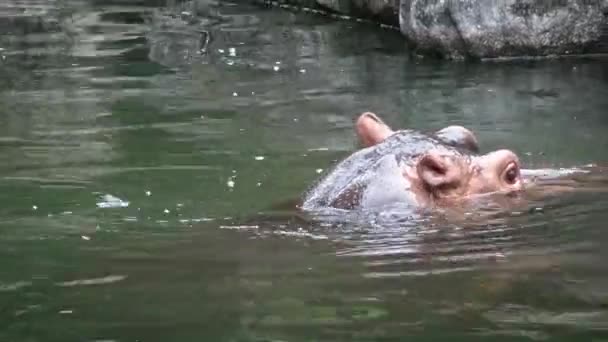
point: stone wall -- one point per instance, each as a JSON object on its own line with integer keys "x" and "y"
{"x": 487, "y": 28}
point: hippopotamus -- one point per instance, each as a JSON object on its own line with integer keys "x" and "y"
{"x": 411, "y": 168}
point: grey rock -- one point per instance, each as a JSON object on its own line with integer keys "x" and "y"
{"x": 504, "y": 28}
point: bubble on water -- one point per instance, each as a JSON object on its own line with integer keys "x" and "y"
{"x": 259, "y": 184}
{"x": 253, "y": 93}
{"x": 235, "y": 94}
{"x": 166, "y": 211}
{"x": 259, "y": 158}
{"x": 275, "y": 68}
{"x": 109, "y": 201}
{"x": 319, "y": 170}
{"x": 230, "y": 183}
{"x": 148, "y": 193}
{"x": 35, "y": 207}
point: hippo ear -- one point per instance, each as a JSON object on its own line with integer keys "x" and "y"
{"x": 437, "y": 171}
{"x": 371, "y": 130}
{"x": 460, "y": 137}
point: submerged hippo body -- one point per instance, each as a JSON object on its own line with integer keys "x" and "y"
{"x": 412, "y": 169}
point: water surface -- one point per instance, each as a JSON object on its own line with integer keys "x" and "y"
{"x": 139, "y": 141}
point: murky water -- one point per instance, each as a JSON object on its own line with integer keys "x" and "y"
{"x": 140, "y": 140}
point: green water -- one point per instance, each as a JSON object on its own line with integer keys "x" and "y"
{"x": 138, "y": 144}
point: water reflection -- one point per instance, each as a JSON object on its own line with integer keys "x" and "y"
{"x": 140, "y": 140}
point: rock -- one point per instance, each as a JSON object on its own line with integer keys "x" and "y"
{"x": 505, "y": 28}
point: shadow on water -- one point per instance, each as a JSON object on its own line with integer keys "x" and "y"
{"x": 142, "y": 142}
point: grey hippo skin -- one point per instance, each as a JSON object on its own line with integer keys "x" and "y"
{"x": 505, "y": 28}
{"x": 413, "y": 169}
{"x": 372, "y": 177}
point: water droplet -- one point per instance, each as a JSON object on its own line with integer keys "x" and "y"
{"x": 259, "y": 158}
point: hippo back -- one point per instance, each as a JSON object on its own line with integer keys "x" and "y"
{"x": 373, "y": 176}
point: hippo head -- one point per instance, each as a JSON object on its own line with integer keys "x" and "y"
{"x": 438, "y": 175}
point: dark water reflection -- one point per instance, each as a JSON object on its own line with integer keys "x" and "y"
{"x": 139, "y": 140}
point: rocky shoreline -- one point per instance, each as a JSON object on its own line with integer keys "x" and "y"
{"x": 489, "y": 29}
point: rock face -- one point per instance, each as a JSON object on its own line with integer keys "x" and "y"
{"x": 504, "y": 28}
{"x": 486, "y": 28}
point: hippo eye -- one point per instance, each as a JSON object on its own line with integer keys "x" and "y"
{"x": 512, "y": 174}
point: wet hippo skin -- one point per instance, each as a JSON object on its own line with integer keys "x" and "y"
{"x": 413, "y": 169}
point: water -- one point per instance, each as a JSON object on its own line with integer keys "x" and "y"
{"x": 141, "y": 140}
